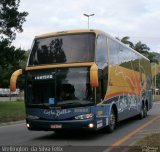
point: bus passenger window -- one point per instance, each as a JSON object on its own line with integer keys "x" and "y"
{"x": 113, "y": 51}
{"x": 101, "y": 51}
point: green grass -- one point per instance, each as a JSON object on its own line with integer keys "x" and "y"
{"x": 11, "y": 111}
{"x": 150, "y": 143}
{"x": 156, "y": 98}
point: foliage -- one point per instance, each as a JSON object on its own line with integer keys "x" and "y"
{"x": 157, "y": 80}
{"x": 152, "y": 57}
{"x": 157, "y": 55}
{"x": 11, "y": 60}
{"x": 126, "y": 41}
{"x": 11, "y": 21}
{"x": 141, "y": 48}
{"x": 150, "y": 142}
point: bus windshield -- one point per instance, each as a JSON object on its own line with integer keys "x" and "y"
{"x": 63, "y": 49}
{"x": 67, "y": 87}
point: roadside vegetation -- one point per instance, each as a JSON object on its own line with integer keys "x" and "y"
{"x": 148, "y": 143}
{"x": 11, "y": 111}
{"x": 156, "y": 98}
{"x": 11, "y": 58}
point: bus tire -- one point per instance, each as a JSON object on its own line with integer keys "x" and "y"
{"x": 143, "y": 112}
{"x": 145, "y": 108}
{"x": 112, "y": 122}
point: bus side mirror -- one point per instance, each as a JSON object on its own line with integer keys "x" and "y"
{"x": 13, "y": 79}
{"x": 94, "y": 76}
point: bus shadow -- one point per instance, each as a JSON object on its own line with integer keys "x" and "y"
{"x": 71, "y": 135}
{"x": 91, "y": 135}
{"x": 132, "y": 123}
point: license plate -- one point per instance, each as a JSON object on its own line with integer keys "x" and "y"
{"x": 56, "y": 126}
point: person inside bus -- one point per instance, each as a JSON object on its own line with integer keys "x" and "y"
{"x": 66, "y": 92}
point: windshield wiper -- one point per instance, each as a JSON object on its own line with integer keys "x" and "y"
{"x": 41, "y": 105}
{"x": 73, "y": 102}
{"x": 61, "y": 104}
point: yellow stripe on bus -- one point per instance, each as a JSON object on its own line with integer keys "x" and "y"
{"x": 59, "y": 66}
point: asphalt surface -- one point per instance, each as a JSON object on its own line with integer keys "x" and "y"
{"x": 127, "y": 133}
{"x": 2, "y": 99}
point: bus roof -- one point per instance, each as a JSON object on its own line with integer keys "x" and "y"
{"x": 86, "y": 31}
{"x": 68, "y": 32}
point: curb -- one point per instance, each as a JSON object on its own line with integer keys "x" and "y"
{"x": 12, "y": 123}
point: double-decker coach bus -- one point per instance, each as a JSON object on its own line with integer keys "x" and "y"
{"x": 83, "y": 79}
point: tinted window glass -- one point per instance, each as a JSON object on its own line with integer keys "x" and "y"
{"x": 60, "y": 86}
{"x": 124, "y": 56}
{"x": 63, "y": 49}
{"x": 101, "y": 51}
{"x": 113, "y": 51}
{"x": 135, "y": 61}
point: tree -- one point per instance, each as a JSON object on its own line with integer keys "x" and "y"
{"x": 157, "y": 77}
{"x": 11, "y": 21}
{"x": 140, "y": 47}
{"x": 152, "y": 58}
{"x": 11, "y": 59}
{"x": 144, "y": 49}
{"x": 126, "y": 40}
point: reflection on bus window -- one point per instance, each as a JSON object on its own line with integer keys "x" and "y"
{"x": 63, "y": 49}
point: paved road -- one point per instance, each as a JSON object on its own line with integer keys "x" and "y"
{"x": 11, "y": 99}
{"x": 125, "y": 135}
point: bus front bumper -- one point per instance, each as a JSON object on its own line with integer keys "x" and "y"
{"x": 48, "y": 125}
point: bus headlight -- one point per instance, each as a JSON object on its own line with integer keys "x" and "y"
{"x": 28, "y": 125}
{"x": 91, "y": 125}
{"x": 85, "y": 116}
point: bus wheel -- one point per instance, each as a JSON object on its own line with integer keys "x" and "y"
{"x": 112, "y": 122}
{"x": 141, "y": 115}
{"x": 145, "y": 110}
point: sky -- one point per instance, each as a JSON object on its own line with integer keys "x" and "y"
{"x": 138, "y": 19}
